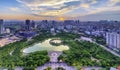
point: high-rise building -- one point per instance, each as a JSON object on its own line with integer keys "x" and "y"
{"x": 1, "y": 26}
{"x": 45, "y": 21}
{"x": 27, "y": 23}
{"x": 113, "y": 39}
{"x": 33, "y": 24}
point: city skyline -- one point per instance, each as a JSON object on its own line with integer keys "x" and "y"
{"x": 60, "y": 9}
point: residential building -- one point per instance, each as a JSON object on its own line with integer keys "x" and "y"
{"x": 113, "y": 39}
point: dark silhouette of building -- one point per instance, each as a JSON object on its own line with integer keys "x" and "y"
{"x": 45, "y": 21}
{"x": 33, "y": 24}
{"x": 1, "y": 26}
{"x": 27, "y": 23}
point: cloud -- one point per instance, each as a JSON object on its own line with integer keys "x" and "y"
{"x": 61, "y": 7}
{"x": 106, "y": 15}
{"x": 113, "y": 2}
{"x": 14, "y": 9}
{"x": 50, "y": 7}
{"x": 85, "y": 5}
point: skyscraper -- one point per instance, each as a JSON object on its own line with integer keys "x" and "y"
{"x": 113, "y": 39}
{"x": 1, "y": 26}
{"x": 33, "y": 24}
{"x": 27, "y": 23}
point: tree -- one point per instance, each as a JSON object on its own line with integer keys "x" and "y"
{"x": 48, "y": 68}
{"x": 59, "y": 68}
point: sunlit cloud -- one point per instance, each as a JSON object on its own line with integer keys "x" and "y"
{"x": 48, "y": 7}
{"x": 85, "y": 5}
{"x": 58, "y": 8}
{"x": 95, "y": 7}
{"x": 14, "y": 9}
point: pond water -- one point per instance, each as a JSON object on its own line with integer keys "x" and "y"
{"x": 45, "y": 46}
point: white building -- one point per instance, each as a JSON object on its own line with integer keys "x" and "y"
{"x": 52, "y": 30}
{"x": 86, "y": 39}
{"x": 113, "y": 39}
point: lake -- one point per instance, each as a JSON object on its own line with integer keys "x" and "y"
{"x": 45, "y": 46}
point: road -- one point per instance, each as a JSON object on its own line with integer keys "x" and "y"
{"x": 90, "y": 40}
{"x": 109, "y": 50}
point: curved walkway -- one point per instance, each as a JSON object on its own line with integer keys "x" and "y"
{"x": 109, "y": 50}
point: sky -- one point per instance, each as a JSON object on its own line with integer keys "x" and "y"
{"x": 60, "y": 9}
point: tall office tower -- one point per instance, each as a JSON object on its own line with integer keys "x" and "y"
{"x": 1, "y": 26}
{"x": 27, "y": 23}
{"x": 33, "y": 24}
{"x": 45, "y": 21}
{"x": 113, "y": 39}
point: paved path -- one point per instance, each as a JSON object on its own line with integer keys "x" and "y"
{"x": 19, "y": 68}
{"x": 109, "y": 50}
{"x": 54, "y": 62}
{"x": 54, "y": 55}
{"x": 55, "y": 65}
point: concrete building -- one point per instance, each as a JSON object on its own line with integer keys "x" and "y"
{"x": 27, "y": 23}
{"x": 1, "y": 26}
{"x": 113, "y": 39}
{"x": 33, "y": 24}
{"x": 7, "y": 30}
{"x": 27, "y": 34}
